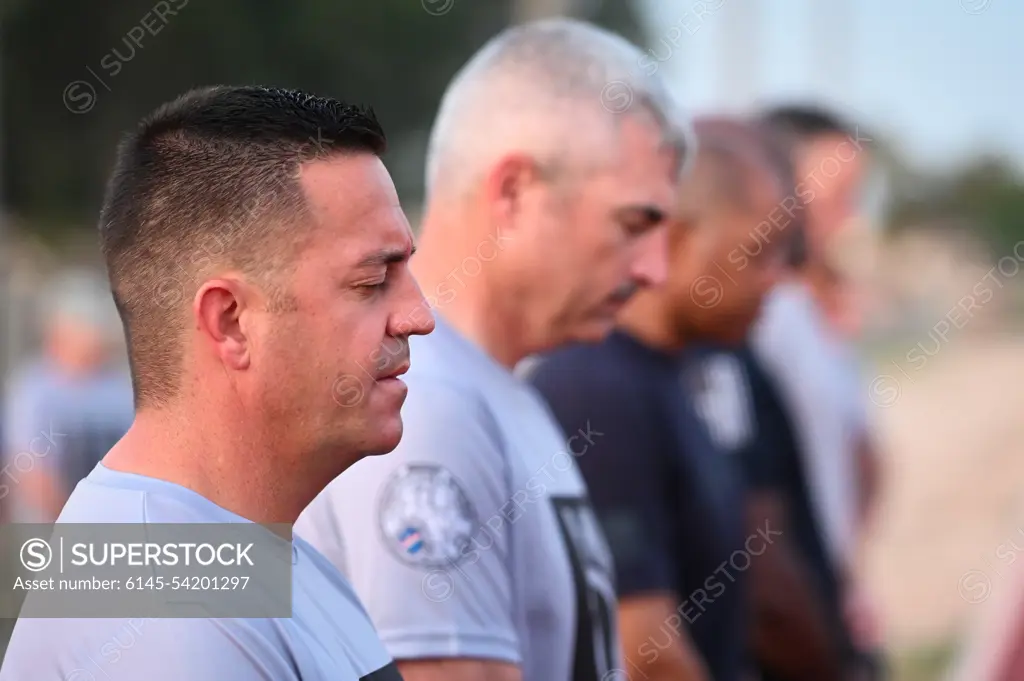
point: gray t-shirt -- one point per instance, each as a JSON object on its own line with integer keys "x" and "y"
{"x": 328, "y": 638}
{"x": 475, "y": 538}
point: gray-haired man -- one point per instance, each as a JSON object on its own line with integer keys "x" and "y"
{"x": 551, "y": 168}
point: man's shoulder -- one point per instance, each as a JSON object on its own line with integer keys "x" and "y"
{"x": 622, "y": 388}
{"x": 611, "y": 365}
{"x": 438, "y": 402}
{"x": 136, "y": 499}
{"x": 446, "y": 424}
{"x": 93, "y": 503}
{"x": 790, "y": 319}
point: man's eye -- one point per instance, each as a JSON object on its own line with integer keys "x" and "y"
{"x": 636, "y": 227}
{"x": 379, "y": 286}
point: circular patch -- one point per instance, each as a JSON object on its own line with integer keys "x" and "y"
{"x": 425, "y": 516}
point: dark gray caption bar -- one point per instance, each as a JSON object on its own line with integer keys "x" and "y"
{"x": 146, "y": 570}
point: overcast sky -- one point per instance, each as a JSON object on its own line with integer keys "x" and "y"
{"x": 945, "y": 78}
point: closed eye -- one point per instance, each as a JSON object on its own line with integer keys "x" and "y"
{"x": 637, "y": 220}
{"x": 371, "y": 286}
{"x": 387, "y": 260}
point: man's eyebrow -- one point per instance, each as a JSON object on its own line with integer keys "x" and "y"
{"x": 387, "y": 256}
{"x": 648, "y": 213}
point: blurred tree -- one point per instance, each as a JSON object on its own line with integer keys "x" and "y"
{"x": 616, "y": 14}
{"x": 992, "y": 192}
{"x": 988, "y": 193}
{"x": 77, "y": 74}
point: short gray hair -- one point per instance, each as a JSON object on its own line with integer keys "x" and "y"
{"x": 532, "y": 88}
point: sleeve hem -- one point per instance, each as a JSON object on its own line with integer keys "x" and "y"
{"x": 410, "y": 646}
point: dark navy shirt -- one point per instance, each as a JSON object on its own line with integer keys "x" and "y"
{"x": 775, "y": 464}
{"x": 671, "y": 501}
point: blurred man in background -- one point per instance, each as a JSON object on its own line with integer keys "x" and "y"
{"x": 66, "y": 409}
{"x": 799, "y": 341}
{"x": 551, "y": 169}
{"x": 667, "y": 490}
{"x": 794, "y": 631}
{"x": 808, "y": 314}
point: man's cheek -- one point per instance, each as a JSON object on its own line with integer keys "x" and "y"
{"x": 745, "y": 293}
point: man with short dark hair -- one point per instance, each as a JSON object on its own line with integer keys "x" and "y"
{"x": 258, "y": 256}
{"x": 661, "y": 478}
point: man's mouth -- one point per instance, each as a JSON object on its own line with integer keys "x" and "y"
{"x": 622, "y": 294}
{"x": 395, "y": 372}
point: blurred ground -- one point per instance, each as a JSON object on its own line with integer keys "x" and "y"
{"x": 946, "y": 532}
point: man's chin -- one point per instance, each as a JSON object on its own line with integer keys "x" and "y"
{"x": 386, "y": 438}
{"x": 594, "y": 330}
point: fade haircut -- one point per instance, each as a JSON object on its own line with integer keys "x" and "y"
{"x": 730, "y": 153}
{"x": 554, "y": 89}
{"x": 205, "y": 183}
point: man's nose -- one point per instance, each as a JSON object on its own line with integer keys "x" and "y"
{"x": 429, "y": 324}
{"x": 414, "y": 317}
{"x": 650, "y": 265}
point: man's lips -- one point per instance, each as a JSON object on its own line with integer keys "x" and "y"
{"x": 616, "y": 303}
{"x": 396, "y": 372}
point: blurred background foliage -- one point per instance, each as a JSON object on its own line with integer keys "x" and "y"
{"x": 986, "y": 195}
{"x": 393, "y": 54}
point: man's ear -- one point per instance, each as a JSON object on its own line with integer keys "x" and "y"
{"x": 217, "y": 310}
{"x": 506, "y": 188}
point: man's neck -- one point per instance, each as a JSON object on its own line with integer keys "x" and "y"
{"x": 461, "y": 288}
{"x": 234, "y": 468}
